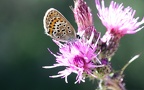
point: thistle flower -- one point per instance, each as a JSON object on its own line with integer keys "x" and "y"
{"x": 82, "y": 14}
{"x": 118, "y": 19}
{"x": 114, "y": 81}
{"x": 118, "y": 22}
{"x": 77, "y": 57}
{"x": 84, "y": 20}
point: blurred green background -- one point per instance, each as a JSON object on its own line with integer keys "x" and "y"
{"x": 23, "y": 47}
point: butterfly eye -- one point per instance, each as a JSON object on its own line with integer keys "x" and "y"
{"x": 78, "y": 36}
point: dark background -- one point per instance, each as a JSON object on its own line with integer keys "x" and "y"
{"x": 23, "y": 47}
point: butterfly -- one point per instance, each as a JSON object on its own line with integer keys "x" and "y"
{"x": 57, "y": 26}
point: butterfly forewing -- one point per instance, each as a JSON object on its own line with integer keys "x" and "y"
{"x": 57, "y": 26}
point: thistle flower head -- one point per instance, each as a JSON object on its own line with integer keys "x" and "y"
{"x": 114, "y": 81}
{"x": 84, "y": 19}
{"x": 82, "y": 14}
{"x": 117, "y": 19}
{"x": 77, "y": 57}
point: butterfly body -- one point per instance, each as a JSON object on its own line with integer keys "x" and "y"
{"x": 57, "y": 26}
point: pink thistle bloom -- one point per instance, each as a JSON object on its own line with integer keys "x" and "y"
{"x": 84, "y": 19}
{"x": 82, "y": 14}
{"x": 117, "y": 19}
{"x": 77, "y": 58}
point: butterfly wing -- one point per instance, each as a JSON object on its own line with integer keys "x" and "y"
{"x": 57, "y": 26}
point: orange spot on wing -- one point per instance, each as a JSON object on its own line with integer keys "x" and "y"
{"x": 50, "y": 31}
{"x": 53, "y": 25}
